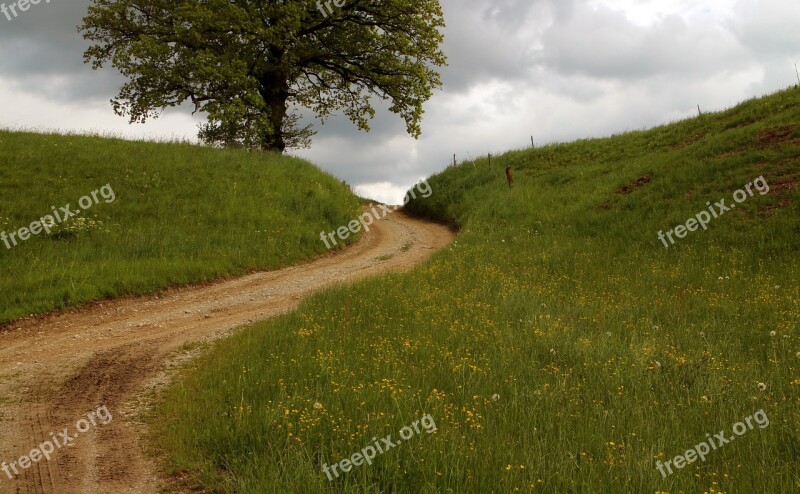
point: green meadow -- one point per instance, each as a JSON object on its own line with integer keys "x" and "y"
{"x": 557, "y": 344}
{"x": 180, "y": 214}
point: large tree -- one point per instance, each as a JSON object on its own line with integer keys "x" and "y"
{"x": 245, "y": 63}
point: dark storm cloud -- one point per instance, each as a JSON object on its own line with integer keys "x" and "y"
{"x": 44, "y": 39}
{"x": 43, "y": 54}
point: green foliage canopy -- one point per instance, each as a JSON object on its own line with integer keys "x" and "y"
{"x": 248, "y": 64}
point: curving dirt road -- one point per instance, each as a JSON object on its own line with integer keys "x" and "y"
{"x": 57, "y": 369}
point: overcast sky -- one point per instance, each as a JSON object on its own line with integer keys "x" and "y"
{"x": 554, "y": 69}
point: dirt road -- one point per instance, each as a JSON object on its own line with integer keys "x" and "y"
{"x": 57, "y": 369}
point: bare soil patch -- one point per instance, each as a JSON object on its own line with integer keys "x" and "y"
{"x": 778, "y": 136}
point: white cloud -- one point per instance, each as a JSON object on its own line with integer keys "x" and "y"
{"x": 383, "y": 192}
{"x": 27, "y": 110}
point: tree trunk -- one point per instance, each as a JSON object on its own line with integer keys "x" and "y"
{"x": 275, "y": 92}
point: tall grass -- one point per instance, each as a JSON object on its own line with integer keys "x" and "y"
{"x": 557, "y": 344}
{"x": 182, "y": 214}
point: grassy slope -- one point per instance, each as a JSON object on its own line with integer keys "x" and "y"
{"x": 607, "y": 350}
{"x": 182, "y": 214}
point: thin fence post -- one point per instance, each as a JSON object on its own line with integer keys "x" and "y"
{"x": 454, "y": 160}
{"x": 532, "y": 144}
{"x": 699, "y": 111}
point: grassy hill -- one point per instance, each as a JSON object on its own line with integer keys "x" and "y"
{"x": 558, "y": 345}
{"x": 170, "y": 214}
